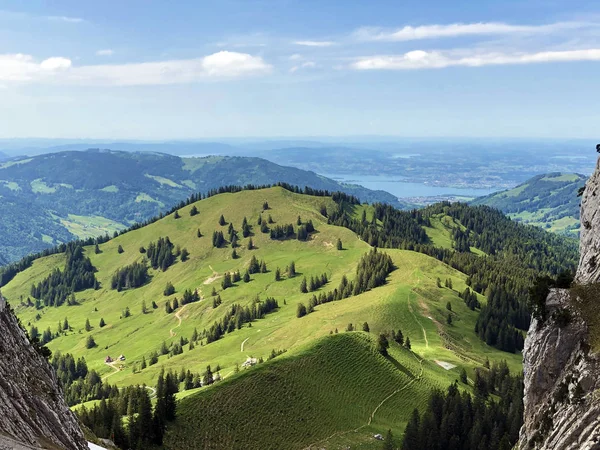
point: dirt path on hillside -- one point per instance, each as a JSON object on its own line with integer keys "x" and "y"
{"x": 215, "y": 276}
{"x": 372, "y": 416}
{"x": 180, "y": 319}
{"x": 242, "y": 346}
{"x": 112, "y": 366}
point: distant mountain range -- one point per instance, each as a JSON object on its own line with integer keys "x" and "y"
{"x": 549, "y": 201}
{"x": 56, "y": 197}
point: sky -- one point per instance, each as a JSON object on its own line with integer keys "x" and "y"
{"x": 193, "y": 69}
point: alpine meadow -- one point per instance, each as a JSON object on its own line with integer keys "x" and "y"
{"x": 281, "y": 317}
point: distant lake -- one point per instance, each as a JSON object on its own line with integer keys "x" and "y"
{"x": 401, "y": 189}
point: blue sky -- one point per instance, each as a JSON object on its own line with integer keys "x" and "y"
{"x": 269, "y": 68}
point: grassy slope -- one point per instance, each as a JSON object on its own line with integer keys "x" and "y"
{"x": 410, "y": 301}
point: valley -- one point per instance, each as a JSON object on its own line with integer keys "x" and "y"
{"x": 321, "y": 368}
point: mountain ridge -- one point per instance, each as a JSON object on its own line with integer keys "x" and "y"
{"x": 548, "y": 200}
{"x": 53, "y": 198}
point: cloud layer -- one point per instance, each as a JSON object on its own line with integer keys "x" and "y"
{"x": 315, "y": 43}
{"x": 419, "y": 59}
{"x": 59, "y": 70}
{"x": 409, "y": 33}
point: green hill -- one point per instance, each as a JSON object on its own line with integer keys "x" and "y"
{"x": 327, "y": 384}
{"x": 57, "y": 197}
{"x": 549, "y": 201}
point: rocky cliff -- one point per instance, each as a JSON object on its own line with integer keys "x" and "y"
{"x": 561, "y": 361}
{"x": 32, "y": 408}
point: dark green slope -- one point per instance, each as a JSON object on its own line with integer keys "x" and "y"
{"x": 56, "y": 197}
{"x": 549, "y": 201}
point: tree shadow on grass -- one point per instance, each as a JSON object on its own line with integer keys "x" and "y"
{"x": 400, "y": 367}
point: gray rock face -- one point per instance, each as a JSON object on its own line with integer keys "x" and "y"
{"x": 589, "y": 261}
{"x": 32, "y": 408}
{"x": 562, "y": 375}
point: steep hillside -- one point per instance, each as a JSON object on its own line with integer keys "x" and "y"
{"x": 562, "y": 353}
{"x": 318, "y": 384}
{"x": 32, "y": 407}
{"x": 549, "y": 201}
{"x": 56, "y": 197}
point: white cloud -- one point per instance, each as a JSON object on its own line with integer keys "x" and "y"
{"x": 419, "y": 59}
{"x": 66, "y": 19}
{"x": 59, "y": 70}
{"x": 305, "y": 65}
{"x": 55, "y": 63}
{"x": 409, "y": 33}
{"x": 105, "y": 52}
{"x": 315, "y": 43}
{"x": 295, "y": 57}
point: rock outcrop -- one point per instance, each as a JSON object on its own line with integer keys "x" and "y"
{"x": 562, "y": 371}
{"x": 32, "y": 408}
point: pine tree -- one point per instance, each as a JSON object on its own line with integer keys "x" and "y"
{"x": 407, "y": 343}
{"x": 463, "y": 376}
{"x": 222, "y": 220}
{"x": 96, "y": 249}
{"x": 234, "y": 254}
{"x": 339, "y": 244}
{"x": 277, "y": 274}
{"x": 144, "y": 365}
{"x": 169, "y": 289}
{"x": 303, "y": 287}
{"x": 449, "y": 319}
{"x": 144, "y": 308}
{"x": 120, "y": 249}
{"x": 160, "y": 410}
{"x": 90, "y": 342}
{"x": 246, "y": 277}
{"x": 388, "y": 443}
{"x": 88, "y": 327}
{"x": 300, "y": 310}
{"x": 412, "y": 439}
{"x": 292, "y": 270}
{"x": 176, "y": 215}
{"x": 102, "y": 323}
{"x": 198, "y": 233}
{"x": 66, "y": 325}
{"x": 382, "y": 344}
{"x": 365, "y": 327}
{"x": 193, "y": 211}
{"x": 207, "y": 379}
{"x": 185, "y": 255}
{"x": 250, "y": 244}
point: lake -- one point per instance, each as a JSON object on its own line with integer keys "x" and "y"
{"x": 402, "y": 189}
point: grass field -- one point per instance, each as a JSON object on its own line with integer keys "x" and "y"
{"x": 327, "y": 384}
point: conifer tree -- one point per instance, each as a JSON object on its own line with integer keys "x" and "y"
{"x": 120, "y": 249}
{"x": 88, "y": 327}
{"x": 176, "y": 215}
{"x": 222, "y": 220}
{"x": 339, "y": 244}
{"x": 193, "y": 211}
{"x": 102, "y": 323}
{"x": 300, "y": 310}
{"x": 185, "y": 255}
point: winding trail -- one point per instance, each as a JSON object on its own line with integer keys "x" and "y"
{"x": 112, "y": 365}
{"x": 242, "y": 346}
{"x": 215, "y": 276}
{"x": 178, "y": 316}
{"x": 372, "y": 416}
